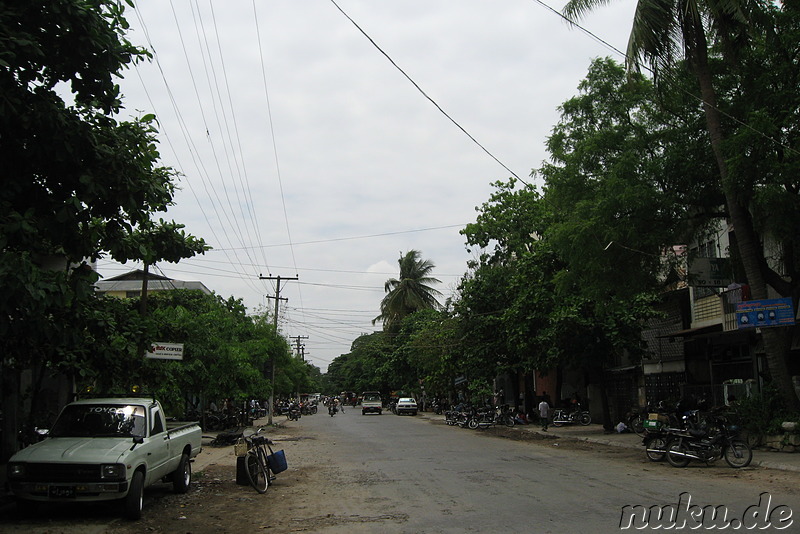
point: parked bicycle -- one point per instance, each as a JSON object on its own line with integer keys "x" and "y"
{"x": 256, "y": 461}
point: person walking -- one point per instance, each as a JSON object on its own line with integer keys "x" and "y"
{"x": 544, "y": 413}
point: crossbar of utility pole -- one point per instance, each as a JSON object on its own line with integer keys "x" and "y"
{"x": 277, "y": 301}
{"x": 298, "y": 345}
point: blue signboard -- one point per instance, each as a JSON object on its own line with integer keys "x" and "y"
{"x": 765, "y": 313}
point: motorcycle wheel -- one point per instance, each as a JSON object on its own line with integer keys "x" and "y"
{"x": 509, "y": 422}
{"x": 557, "y": 423}
{"x": 678, "y": 459}
{"x": 585, "y": 419}
{"x": 213, "y": 423}
{"x": 655, "y": 455}
{"x": 473, "y": 423}
{"x": 738, "y": 454}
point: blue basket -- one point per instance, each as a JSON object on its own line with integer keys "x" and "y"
{"x": 277, "y": 462}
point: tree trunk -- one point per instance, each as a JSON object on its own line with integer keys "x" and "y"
{"x": 747, "y": 240}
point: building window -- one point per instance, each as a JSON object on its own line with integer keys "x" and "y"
{"x": 707, "y": 250}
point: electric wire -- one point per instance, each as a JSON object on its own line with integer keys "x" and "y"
{"x": 223, "y": 124}
{"x": 630, "y": 60}
{"x": 423, "y": 93}
{"x": 182, "y": 125}
{"x": 274, "y": 142}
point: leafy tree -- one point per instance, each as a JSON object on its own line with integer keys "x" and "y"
{"x": 429, "y": 342}
{"x": 227, "y": 353}
{"x": 359, "y": 370}
{"x": 712, "y": 36}
{"x": 410, "y": 292}
{"x": 623, "y": 184}
{"x": 484, "y": 298}
{"x": 76, "y": 181}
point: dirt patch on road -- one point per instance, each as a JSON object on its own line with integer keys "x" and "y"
{"x": 306, "y": 498}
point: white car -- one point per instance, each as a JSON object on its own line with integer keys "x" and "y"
{"x": 406, "y": 405}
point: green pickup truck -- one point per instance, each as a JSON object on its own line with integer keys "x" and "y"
{"x": 107, "y": 449}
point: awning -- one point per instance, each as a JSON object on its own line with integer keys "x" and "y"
{"x": 692, "y": 332}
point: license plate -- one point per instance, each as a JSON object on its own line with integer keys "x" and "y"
{"x": 61, "y": 492}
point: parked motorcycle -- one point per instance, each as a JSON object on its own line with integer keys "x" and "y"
{"x": 460, "y": 415}
{"x": 482, "y": 418}
{"x": 708, "y": 441}
{"x": 567, "y": 417}
{"x": 294, "y": 413}
{"x": 505, "y": 416}
{"x": 635, "y": 421}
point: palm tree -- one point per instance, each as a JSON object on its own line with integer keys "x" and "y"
{"x": 410, "y": 293}
{"x": 665, "y": 32}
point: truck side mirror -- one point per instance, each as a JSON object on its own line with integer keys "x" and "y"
{"x": 137, "y": 440}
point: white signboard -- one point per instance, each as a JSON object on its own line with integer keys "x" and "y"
{"x": 710, "y": 272}
{"x": 165, "y": 351}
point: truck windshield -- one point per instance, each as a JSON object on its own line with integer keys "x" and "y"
{"x": 100, "y": 420}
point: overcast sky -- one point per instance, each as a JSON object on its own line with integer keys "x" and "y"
{"x": 303, "y": 150}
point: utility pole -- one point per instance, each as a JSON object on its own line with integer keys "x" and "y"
{"x": 277, "y": 301}
{"x": 300, "y": 348}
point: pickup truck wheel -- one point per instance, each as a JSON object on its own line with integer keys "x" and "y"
{"x": 182, "y": 477}
{"x": 133, "y": 501}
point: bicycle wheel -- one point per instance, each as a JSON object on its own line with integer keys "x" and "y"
{"x": 257, "y": 470}
{"x": 738, "y": 453}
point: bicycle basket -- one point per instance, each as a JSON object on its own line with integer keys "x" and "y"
{"x": 277, "y": 462}
{"x": 240, "y": 448}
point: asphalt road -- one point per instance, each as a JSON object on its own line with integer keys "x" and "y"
{"x": 446, "y": 479}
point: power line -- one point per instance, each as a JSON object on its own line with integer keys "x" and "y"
{"x": 368, "y": 236}
{"x": 670, "y": 77}
{"x": 431, "y": 100}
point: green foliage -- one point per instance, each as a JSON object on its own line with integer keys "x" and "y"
{"x": 227, "y": 353}
{"x": 421, "y": 355}
{"x": 77, "y": 183}
{"x": 761, "y": 414}
{"x": 613, "y": 199}
{"x": 360, "y": 369}
{"x": 409, "y": 293}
